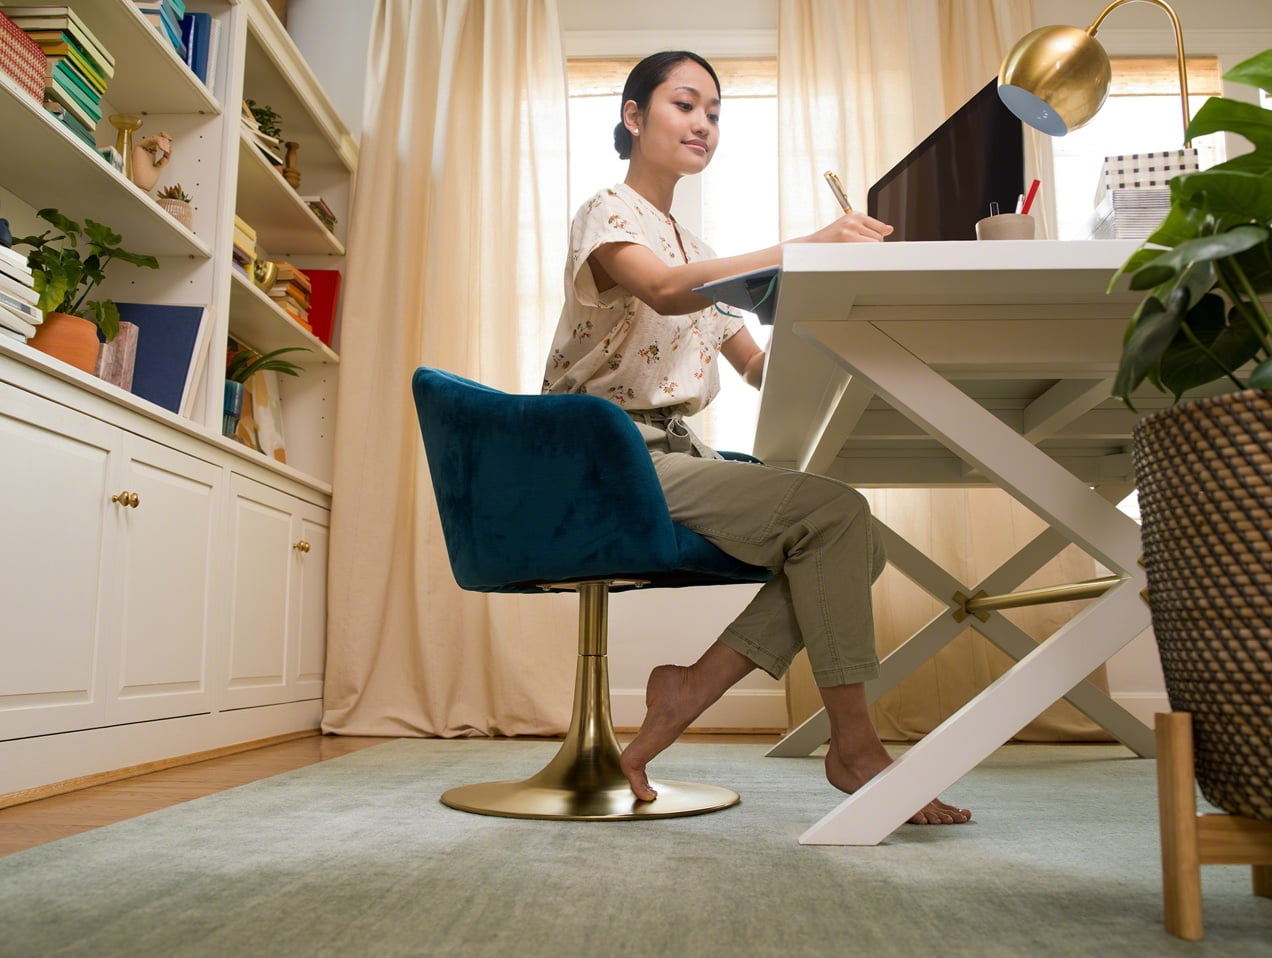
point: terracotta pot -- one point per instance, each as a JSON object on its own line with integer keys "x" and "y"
{"x": 71, "y": 339}
{"x": 179, "y": 210}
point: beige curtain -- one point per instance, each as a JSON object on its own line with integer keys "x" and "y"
{"x": 860, "y": 82}
{"x": 458, "y": 226}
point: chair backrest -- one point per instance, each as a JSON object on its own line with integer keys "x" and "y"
{"x": 538, "y": 488}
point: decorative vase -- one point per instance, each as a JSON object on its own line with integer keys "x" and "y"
{"x": 1204, "y": 473}
{"x": 127, "y": 124}
{"x": 179, "y": 210}
{"x": 233, "y": 408}
{"x": 71, "y": 339}
{"x": 117, "y": 358}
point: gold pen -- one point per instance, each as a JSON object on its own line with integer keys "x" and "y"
{"x": 838, "y": 189}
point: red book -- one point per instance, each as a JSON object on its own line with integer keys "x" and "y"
{"x": 324, "y": 296}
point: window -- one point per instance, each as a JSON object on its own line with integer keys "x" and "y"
{"x": 1142, "y": 115}
{"x": 733, "y": 205}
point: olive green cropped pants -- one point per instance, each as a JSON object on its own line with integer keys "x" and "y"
{"x": 816, "y": 533}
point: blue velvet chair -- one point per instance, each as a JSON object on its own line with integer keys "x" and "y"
{"x": 549, "y": 493}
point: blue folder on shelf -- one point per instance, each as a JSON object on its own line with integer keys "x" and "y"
{"x": 168, "y": 350}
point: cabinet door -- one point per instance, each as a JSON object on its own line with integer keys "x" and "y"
{"x": 309, "y": 570}
{"x": 260, "y": 605}
{"x": 165, "y": 563}
{"x": 57, "y": 526}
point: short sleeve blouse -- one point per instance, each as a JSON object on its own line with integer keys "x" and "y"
{"x": 612, "y": 344}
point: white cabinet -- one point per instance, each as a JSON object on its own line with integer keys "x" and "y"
{"x": 56, "y": 531}
{"x": 163, "y": 589}
{"x": 166, "y": 507}
{"x": 107, "y": 605}
{"x": 277, "y": 607}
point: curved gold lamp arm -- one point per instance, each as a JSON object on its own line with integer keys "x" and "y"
{"x": 1179, "y": 52}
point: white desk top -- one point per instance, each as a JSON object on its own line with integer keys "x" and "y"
{"x": 1025, "y": 327}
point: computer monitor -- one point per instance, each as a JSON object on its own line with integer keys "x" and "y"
{"x": 946, "y": 183}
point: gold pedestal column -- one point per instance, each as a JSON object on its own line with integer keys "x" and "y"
{"x": 584, "y": 781}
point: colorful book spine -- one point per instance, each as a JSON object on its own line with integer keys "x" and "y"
{"x": 66, "y": 20}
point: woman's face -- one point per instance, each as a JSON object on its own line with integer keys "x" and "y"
{"x": 680, "y": 127}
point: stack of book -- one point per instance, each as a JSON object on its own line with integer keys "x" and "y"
{"x": 1133, "y": 196}
{"x": 290, "y": 292}
{"x": 22, "y": 59}
{"x": 165, "y": 16}
{"x": 270, "y": 146}
{"x": 80, "y": 67}
{"x": 19, "y": 314}
{"x": 321, "y": 210}
{"x": 244, "y": 246}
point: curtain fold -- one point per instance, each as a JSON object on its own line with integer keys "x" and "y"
{"x": 860, "y": 82}
{"x": 458, "y": 222}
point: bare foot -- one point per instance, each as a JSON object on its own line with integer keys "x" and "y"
{"x": 671, "y": 703}
{"x": 848, "y": 776}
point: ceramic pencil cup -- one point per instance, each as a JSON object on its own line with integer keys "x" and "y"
{"x": 1005, "y": 226}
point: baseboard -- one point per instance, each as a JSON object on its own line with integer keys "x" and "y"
{"x": 741, "y": 710}
{"x": 46, "y": 765}
{"x": 1143, "y": 705}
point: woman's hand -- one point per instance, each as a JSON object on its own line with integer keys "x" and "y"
{"x": 853, "y": 227}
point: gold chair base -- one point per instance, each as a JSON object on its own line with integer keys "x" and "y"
{"x": 584, "y": 781}
{"x": 526, "y": 799}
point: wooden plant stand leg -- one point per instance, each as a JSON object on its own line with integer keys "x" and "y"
{"x": 1177, "y": 814}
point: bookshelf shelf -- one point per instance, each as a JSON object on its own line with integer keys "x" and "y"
{"x": 155, "y": 81}
{"x": 262, "y": 325}
{"x": 277, "y": 75}
{"x": 55, "y": 169}
{"x": 284, "y": 225}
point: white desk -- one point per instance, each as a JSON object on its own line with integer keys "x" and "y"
{"x": 957, "y": 363}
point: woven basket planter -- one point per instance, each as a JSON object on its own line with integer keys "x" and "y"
{"x": 1204, "y": 472}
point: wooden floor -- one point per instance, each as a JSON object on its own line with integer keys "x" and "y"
{"x": 48, "y": 819}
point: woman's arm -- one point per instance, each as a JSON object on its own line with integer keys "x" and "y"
{"x": 745, "y": 355}
{"x": 669, "y": 289}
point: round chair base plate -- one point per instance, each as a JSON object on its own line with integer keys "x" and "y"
{"x": 524, "y": 799}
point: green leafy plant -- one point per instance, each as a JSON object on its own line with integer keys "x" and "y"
{"x": 246, "y": 363}
{"x": 1208, "y": 262}
{"x": 269, "y": 122}
{"x": 63, "y": 278}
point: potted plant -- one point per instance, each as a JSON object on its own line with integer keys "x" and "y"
{"x": 63, "y": 279}
{"x": 1204, "y": 467}
{"x": 174, "y": 201}
{"x": 244, "y": 363}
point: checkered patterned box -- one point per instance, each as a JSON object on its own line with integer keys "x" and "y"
{"x": 1138, "y": 171}
{"x": 22, "y": 59}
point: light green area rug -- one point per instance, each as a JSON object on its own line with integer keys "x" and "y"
{"x": 356, "y": 856}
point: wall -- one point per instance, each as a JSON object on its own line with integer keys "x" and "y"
{"x": 675, "y": 625}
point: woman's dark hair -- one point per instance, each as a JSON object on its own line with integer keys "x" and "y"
{"x": 645, "y": 77}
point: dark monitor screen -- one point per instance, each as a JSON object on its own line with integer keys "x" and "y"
{"x": 946, "y": 183}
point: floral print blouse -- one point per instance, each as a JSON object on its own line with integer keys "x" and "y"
{"x": 612, "y": 344}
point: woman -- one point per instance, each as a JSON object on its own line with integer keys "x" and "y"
{"x": 634, "y": 332}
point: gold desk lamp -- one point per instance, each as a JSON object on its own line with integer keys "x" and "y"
{"x": 1056, "y": 78}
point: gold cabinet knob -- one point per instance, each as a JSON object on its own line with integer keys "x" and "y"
{"x": 126, "y": 498}
{"x": 301, "y": 546}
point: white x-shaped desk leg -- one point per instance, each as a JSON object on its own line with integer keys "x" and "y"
{"x": 1053, "y": 667}
{"x": 944, "y": 628}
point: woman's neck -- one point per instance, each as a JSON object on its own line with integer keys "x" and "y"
{"x": 656, "y": 186}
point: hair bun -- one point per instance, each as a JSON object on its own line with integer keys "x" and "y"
{"x": 623, "y": 141}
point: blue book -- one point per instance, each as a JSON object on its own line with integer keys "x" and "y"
{"x": 168, "y": 350}
{"x": 196, "y": 30}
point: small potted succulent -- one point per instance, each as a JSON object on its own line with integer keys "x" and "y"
{"x": 244, "y": 363}
{"x": 174, "y": 201}
{"x": 63, "y": 278}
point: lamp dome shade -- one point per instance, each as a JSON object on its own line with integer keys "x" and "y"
{"x": 1055, "y": 79}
